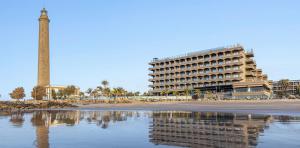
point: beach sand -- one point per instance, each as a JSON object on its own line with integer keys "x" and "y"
{"x": 283, "y": 107}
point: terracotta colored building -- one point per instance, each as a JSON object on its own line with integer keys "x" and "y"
{"x": 229, "y": 72}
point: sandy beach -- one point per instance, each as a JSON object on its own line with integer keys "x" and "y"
{"x": 288, "y": 107}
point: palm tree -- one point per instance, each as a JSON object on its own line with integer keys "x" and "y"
{"x": 119, "y": 91}
{"x": 107, "y": 92}
{"x": 186, "y": 92}
{"x": 167, "y": 93}
{"x": 284, "y": 84}
{"x": 298, "y": 90}
{"x": 105, "y": 83}
{"x": 95, "y": 93}
{"x": 81, "y": 95}
{"x": 89, "y": 91}
{"x": 163, "y": 92}
{"x": 175, "y": 93}
{"x": 209, "y": 95}
{"x": 198, "y": 92}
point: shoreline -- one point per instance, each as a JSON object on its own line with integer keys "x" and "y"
{"x": 274, "y": 107}
{"x": 278, "y": 107}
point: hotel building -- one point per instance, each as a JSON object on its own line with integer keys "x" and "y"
{"x": 291, "y": 89}
{"x": 230, "y": 72}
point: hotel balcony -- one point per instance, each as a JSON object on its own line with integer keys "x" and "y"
{"x": 249, "y": 54}
{"x": 152, "y": 68}
{"x": 250, "y": 67}
{"x": 250, "y": 61}
{"x": 249, "y": 73}
{"x": 151, "y": 74}
{"x": 151, "y": 80}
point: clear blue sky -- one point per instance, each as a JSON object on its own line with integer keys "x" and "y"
{"x": 115, "y": 39}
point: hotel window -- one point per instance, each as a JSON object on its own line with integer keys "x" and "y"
{"x": 220, "y": 69}
{"x": 206, "y": 64}
{"x": 200, "y": 64}
{"x": 182, "y": 67}
{"x": 213, "y": 63}
{"x": 236, "y": 68}
{"x": 213, "y": 56}
{"x": 213, "y": 70}
{"x": 200, "y": 71}
{"x": 220, "y": 62}
{"x": 200, "y": 78}
{"x": 235, "y": 60}
{"x": 206, "y": 78}
{"x": 220, "y": 55}
{"x": 206, "y": 57}
{"x": 220, "y": 76}
{"x": 228, "y": 75}
{"x": 206, "y": 71}
{"x": 194, "y": 79}
{"x": 235, "y": 53}
{"x": 236, "y": 75}
{"x": 227, "y": 68}
{"x": 228, "y": 53}
{"x": 227, "y": 61}
{"x": 241, "y": 89}
{"x": 200, "y": 57}
{"x": 257, "y": 89}
{"x": 213, "y": 77}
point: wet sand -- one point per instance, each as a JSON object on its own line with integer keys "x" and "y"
{"x": 283, "y": 107}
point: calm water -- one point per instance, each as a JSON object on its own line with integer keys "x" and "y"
{"x": 89, "y": 129}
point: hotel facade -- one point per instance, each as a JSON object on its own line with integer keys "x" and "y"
{"x": 291, "y": 89}
{"x": 229, "y": 72}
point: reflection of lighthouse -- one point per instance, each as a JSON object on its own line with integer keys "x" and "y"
{"x": 40, "y": 120}
{"x": 42, "y": 137}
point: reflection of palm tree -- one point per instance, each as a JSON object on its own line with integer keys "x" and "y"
{"x": 17, "y": 119}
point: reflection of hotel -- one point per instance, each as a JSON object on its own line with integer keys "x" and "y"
{"x": 206, "y": 129}
{"x": 230, "y": 71}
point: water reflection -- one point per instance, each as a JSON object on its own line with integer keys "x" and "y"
{"x": 207, "y": 129}
{"x": 183, "y": 129}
